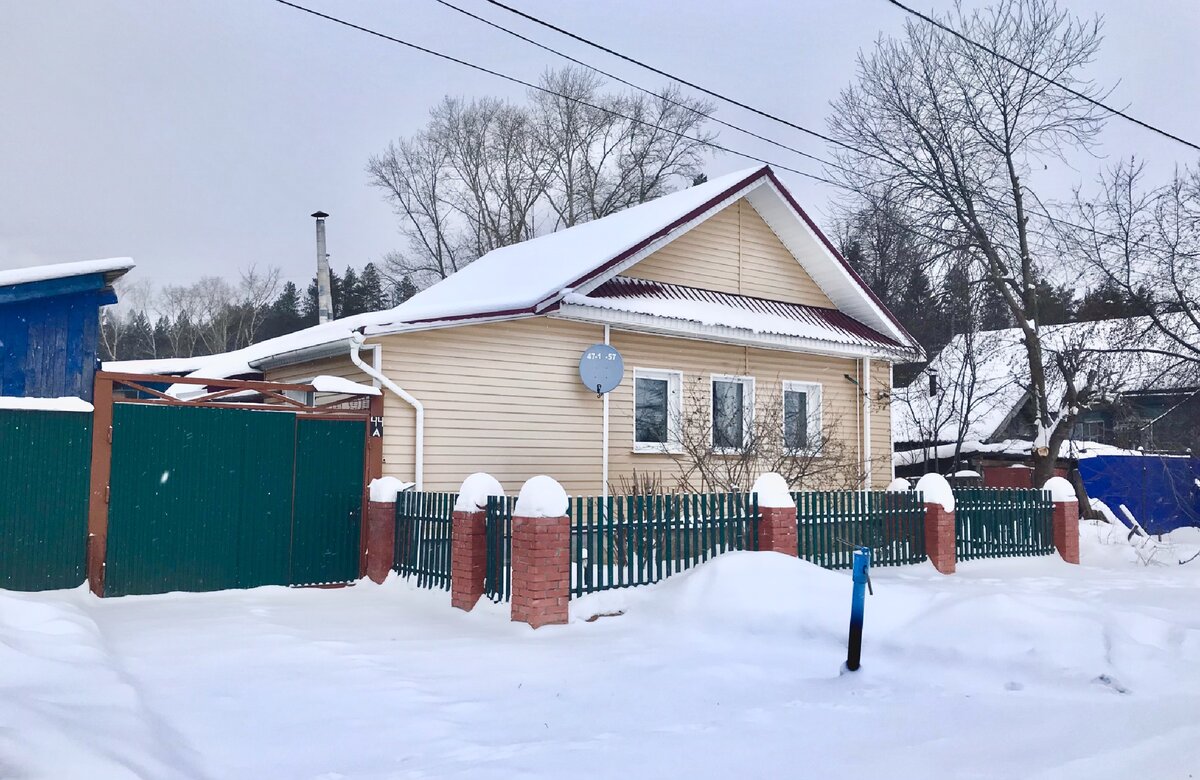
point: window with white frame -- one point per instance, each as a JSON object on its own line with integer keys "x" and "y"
{"x": 657, "y": 410}
{"x": 801, "y": 416}
{"x": 732, "y": 412}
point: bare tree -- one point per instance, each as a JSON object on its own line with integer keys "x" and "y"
{"x": 701, "y": 465}
{"x": 953, "y": 133}
{"x": 484, "y": 174}
{"x": 1145, "y": 243}
{"x": 256, "y": 290}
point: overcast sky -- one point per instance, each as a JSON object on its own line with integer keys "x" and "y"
{"x": 198, "y": 135}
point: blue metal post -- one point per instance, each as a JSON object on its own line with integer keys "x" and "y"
{"x": 862, "y": 566}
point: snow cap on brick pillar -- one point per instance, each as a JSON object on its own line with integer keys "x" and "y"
{"x": 939, "y": 521}
{"x": 776, "y": 514}
{"x": 468, "y": 539}
{"x": 541, "y": 554}
{"x": 381, "y": 526}
{"x": 1065, "y": 519}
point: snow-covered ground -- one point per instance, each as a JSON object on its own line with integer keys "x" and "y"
{"x": 1017, "y": 668}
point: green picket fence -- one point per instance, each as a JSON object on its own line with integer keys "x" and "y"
{"x": 623, "y": 541}
{"x": 831, "y": 524}
{"x": 497, "y": 572}
{"x": 1002, "y": 522}
{"x": 423, "y": 533}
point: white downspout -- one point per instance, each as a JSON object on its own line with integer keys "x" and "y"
{"x": 866, "y": 395}
{"x": 356, "y": 343}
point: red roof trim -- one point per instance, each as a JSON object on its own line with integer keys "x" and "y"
{"x": 628, "y": 287}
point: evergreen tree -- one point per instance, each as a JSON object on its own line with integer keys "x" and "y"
{"x": 370, "y": 285}
{"x": 284, "y": 315}
{"x": 404, "y": 290}
{"x": 351, "y": 298}
{"x": 140, "y": 339}
{"x": 1056, "y": 305}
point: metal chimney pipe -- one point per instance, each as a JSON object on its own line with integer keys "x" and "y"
{"x": 324, "y": 295}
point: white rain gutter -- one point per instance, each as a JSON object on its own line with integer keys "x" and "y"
{"x": 356, "y": 343}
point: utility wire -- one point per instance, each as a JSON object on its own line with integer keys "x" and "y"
{"x": 685, "y": 82}
{"x": 531, "y": 85}
{"x": 1047, "y": 79}
{"x": 627, "y": 83}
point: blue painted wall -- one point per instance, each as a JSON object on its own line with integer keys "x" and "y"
{"x": 1161, "y": 493}
{"x": 50, "y": 336}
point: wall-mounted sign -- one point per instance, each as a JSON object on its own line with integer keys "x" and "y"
{"x": 601, "y": 369}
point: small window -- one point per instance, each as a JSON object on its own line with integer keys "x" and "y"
{"x": 732, "y": 412}
{"x": 801, "y": 416}
{"x": 656, "y": 414}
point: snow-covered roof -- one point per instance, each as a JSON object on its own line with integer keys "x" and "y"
{"x": 112, "y": 268}
{"x": 982, "y": 377}
{"x": 1018, "y": 448}
{"x": 536, "y": 276}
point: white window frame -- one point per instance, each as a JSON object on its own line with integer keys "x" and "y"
{"x": 674, "y": 380}
{"x": 815, "y": 394}
{"x": 747, "y": 382}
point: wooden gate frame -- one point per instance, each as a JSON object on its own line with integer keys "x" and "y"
{"x": 219, "y": 394}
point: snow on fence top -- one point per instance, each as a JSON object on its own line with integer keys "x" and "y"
{"x": 1061, "y": 490}
{"x": 936, "y": 490}
{"x": 68, "y": 404}
{"x": 385, "y": 488}
{"x": 473, "y": 495}
{"x": 898, "y": 485}
{"x": 337, "y": 384}
{"x": 772, "y": 490}
{"x": 541, "y": 496}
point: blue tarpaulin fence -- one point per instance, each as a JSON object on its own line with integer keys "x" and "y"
{"x": 1161, "y": 492}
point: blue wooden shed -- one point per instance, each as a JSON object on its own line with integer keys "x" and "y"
{"x": 50, "y": 326}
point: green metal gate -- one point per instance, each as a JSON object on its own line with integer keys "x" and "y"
{"x": 205, "y": 498}
{"x": 1002, "y": 522}
{"x": 44, "y": 469}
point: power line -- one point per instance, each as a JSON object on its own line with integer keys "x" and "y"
{"x": 1047, "y": 79}
{"x": 531, "y": 85}
{"x": 685, "y": 82}
{"x": 628, "y": 83}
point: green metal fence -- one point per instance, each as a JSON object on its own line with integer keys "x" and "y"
{"x": 623, "y": 541}
{"x": 497, "y": 573}
{"x": 423, "y": 537}
{"x": 1002, "y": 522}
{"x": 831, "y": 524}
{"x": 45, "y": 461}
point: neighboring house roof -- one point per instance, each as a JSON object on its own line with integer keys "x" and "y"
{"x": 41, "y": 281}
{"x": 983, "y": 377}
{"x": 545, "y": 274}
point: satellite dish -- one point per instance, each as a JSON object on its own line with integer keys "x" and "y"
{"x": 601, "y": 368}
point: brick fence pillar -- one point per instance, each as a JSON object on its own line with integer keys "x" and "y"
{"x": 381, "y": 539}
{"x": 1066, "y": 530}
{"x": 776, "y": 515}
{"x": 541, "y": 569}
{"x": 468, "y": 558}
{"x": 1065, "y": 518}
{"x": 777, "y": 529}
{"x": 939, "y": 538}
{"x": 541, "y": 554}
